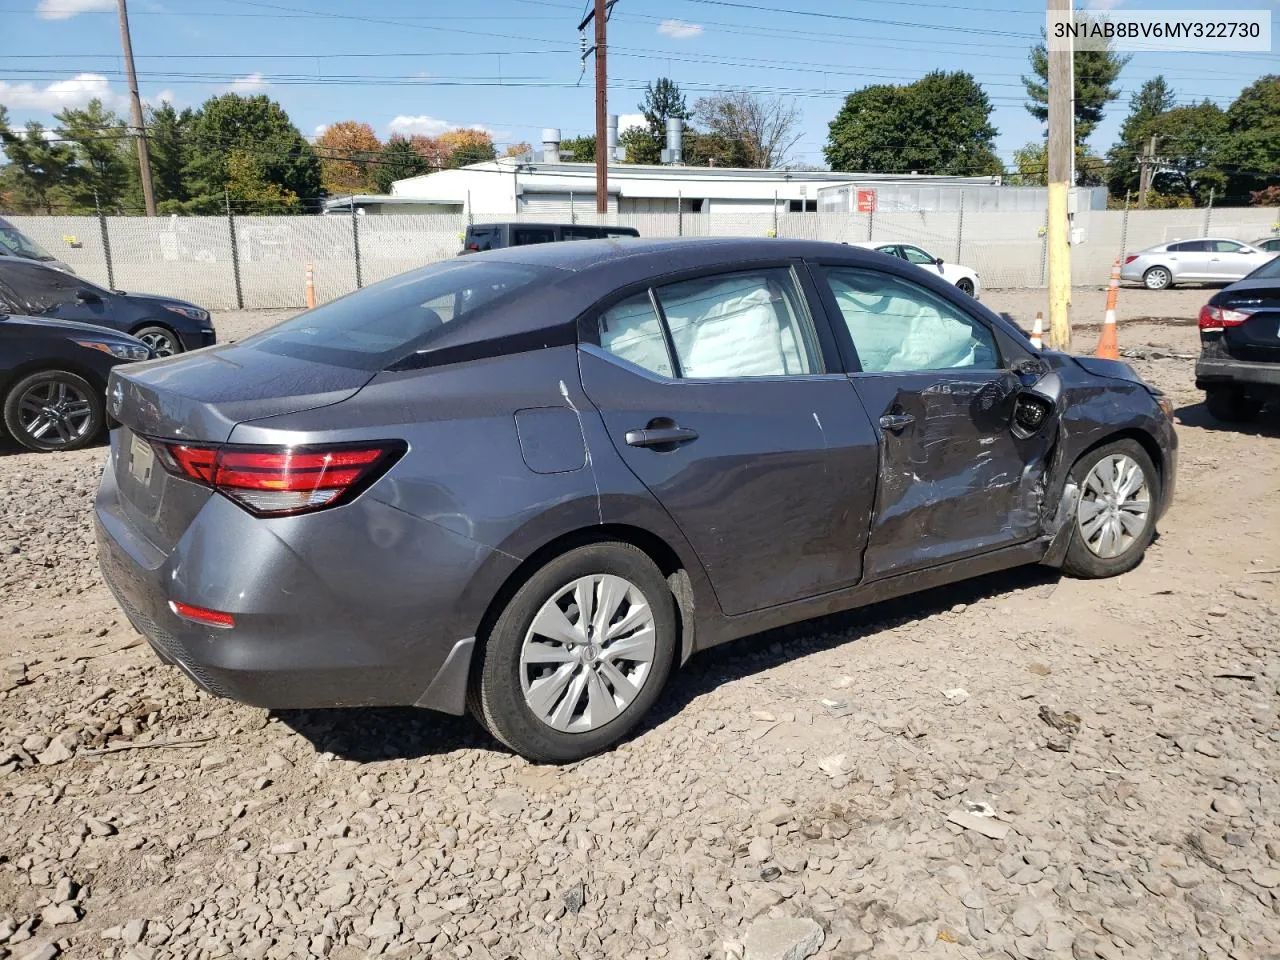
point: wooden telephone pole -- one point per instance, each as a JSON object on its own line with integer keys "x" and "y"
{"x": 1146, "y": 170}
{"x": 600, "y": 14}
{"x": 135, "y": 103}
{"x": 1061, "y": 156}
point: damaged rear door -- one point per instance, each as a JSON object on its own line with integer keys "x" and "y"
{"x": 954, "y": 479}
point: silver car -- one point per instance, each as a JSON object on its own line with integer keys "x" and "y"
{"x": 1207, "y": 260}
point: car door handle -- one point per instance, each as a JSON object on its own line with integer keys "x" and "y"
{"x": 660, "y": 436}
{"x": 894, "y": 422}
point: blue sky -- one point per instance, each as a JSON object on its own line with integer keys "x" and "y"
{"x": 515, "y": 68}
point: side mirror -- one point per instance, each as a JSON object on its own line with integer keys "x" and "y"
{"x": 1035, "y": 406}
{"x": 84, "y": 295}
{"x": 937, "y": 261}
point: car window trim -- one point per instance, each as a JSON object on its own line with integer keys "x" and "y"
{"x": 844, "y": 338}
{"x": 588, "y": 323}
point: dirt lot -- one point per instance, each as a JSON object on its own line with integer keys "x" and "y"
{"x": 806, "y": 775}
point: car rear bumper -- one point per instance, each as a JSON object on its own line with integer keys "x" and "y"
{"x": 370, "y": 636}
{"x": 1263, "y": 378}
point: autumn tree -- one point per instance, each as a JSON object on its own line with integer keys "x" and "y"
{"x": 346, "y": 150}
{"x": 467, "y": 146}
{"x": 518, "y": 149}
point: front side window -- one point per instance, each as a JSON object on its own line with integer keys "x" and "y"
{"x": 749, "y": 324}
{"x": 1228, "y": 246}
{"x": 916, "y": 255}
{"x": 899, "y": 327}
{"x": 20, "y": 245}
{"x": 42, "y": 288}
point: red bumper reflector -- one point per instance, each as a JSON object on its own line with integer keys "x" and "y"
{"x": 210, "y": 618}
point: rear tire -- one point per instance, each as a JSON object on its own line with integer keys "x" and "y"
{"x": 1230, "y": 405}
{"x": 54, "y": 410}
{"x": 1158, "y": 278}
{"x": 547, "y": 684}
{"x": 1115, "y": 520}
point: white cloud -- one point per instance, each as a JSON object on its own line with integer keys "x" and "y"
{"x": 66, "y": 9}
{"x": 679, "y": 29}
{"x": 248, "y": 86}
{"x": 159, "y": 98}
{"x": 408, "y": 126}
{"x": 628, "y": 120}
{"x": 1104, "y": 4}
{"x": 60, "y": 94}
{"x": 319, "y": 131}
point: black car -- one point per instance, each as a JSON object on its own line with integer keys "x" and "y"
{"x": 53, "y": 378}
{"x": 1239, "y": 365}
{"x": 497, "y": 236}
{"x": 166, "y": 325}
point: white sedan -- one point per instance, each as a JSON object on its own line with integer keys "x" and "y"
{"x": 965, "y": 279}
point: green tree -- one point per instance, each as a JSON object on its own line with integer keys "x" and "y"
{"x": 40, "y": 171}
{"x": 578, "y": 149}
{"x": 1096, "y": 72}
{"x": 168, "y": 134}
{"x": 398, "y": 160}
{"x": 1145, "y": 105}
{"x": 102, "y": 170}
{"x": 250, "y": 186}
{"x": 254, "y": 126}
{"x": 663, "y": 101}
{"x": 1188, "y": 141}
{"x": 1250, "y": 149}
{"x": 641, "y": 146}
{"x": 941, "y": 124}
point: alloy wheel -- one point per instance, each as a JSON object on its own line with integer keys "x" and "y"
{"x": 1157, "y": 278}
{"x": 161, "y": 343}
{"x": 1115, "y": 502}
{"x": 588, "y": 653}
{"x": 55, "y": 412}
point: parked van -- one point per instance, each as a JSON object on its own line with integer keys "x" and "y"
{"x": 495, "y": 236}
{"x": 15, "y": 243}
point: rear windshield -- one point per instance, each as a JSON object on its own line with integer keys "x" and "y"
{"x": 372, "y": 328}
{"x": 1268, "y": 271}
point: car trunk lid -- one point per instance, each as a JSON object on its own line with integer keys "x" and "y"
{"x": 199, "y": 399}
{"x": 1257, "y": 339}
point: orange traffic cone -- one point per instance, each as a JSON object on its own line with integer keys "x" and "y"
{"x": 311, "y": 287}
{"x": 1037, "y": 331}
{"x": 1109, "y": 344}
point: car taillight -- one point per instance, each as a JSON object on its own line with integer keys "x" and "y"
{"x": 281, "y": 481}
{"x": 1215, "y": 318}
{"x": 1130, "y": 258}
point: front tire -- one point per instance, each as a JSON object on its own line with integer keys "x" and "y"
{"x": 1231, "y": 406}
{"x": 54, "y": 410}
{"x": 965, "y": 286}
{"x": 578, "y": 655}
{"x": 162, "y": 341}
{"x": 1115, "y": 519}
{"x": 1158, "y": 278}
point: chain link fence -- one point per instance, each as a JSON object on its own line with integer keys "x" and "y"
{"x": 233, "y": 262}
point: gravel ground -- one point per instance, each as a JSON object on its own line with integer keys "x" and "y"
{"x": 1020, "y": 766}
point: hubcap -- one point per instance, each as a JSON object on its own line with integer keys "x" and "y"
{"x": 161, "y": 344}
{"x": 1114, "y": 503}
{"x": 588, "y": 653}
{"x": 55, "y": 413}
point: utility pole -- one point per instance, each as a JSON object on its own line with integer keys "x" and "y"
{"x": 1146, "y": 167}
{"x": 139, "y": 131}
{"x": 601, "y": 16}
{"x": 1061, "y": 151}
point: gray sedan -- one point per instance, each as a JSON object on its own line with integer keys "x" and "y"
{"x": 1208, "y": 260}
{"x": 533, "y": 482}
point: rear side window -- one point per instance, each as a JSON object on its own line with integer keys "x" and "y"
{"x": 375, "y": 326}
{"x": 632, "y": 331}
{"x": 523, "y": 236}
{"x": 751, "y": 324}
{"x": 1190, "y": 246}
{"x": 582, "y": 233}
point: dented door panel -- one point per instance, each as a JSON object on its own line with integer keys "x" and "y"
{"x": 954, "y": 481}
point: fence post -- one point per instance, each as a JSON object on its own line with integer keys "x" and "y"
{"x": 573, "y": 211}
{"x": 960, "y": 227}
{"x": 470, "y": 216}
{"x": 679, "y": 214}
{"x": 1208, "y": 213}
{"x": 871, "y": 222}
{"x": 235, "y": 250}
{"x": 106, "y": 242}
{"x": 1044, "y": 250}
{"x": 355, "y": 243}
{"x": 775, "y": 213}
{"x": 1124, "y": 226}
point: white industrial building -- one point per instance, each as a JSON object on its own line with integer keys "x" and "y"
{"x": 543, "y": 185}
